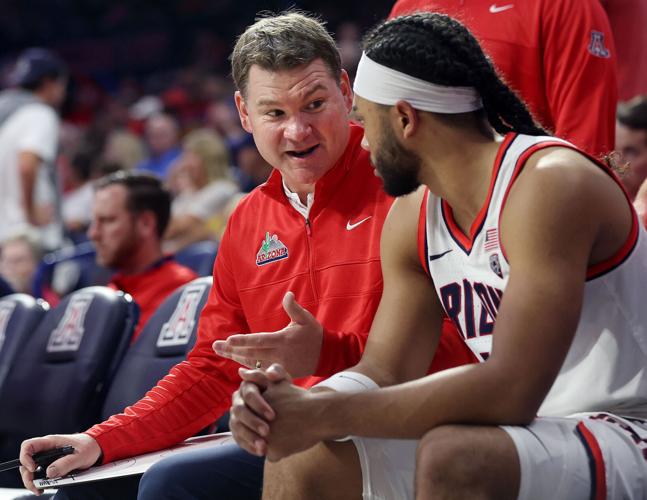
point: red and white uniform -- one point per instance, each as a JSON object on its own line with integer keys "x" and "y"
{"x": 557, "y": 54}
{"x": 605, "y": 366}
{"x": 331, "y": 263}
{"x": 580, "y": 448}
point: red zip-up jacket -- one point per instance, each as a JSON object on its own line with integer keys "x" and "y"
{"x": 558, "y": 55}
{"x": 150, "y": 287}
{"x": 331, "y": 263}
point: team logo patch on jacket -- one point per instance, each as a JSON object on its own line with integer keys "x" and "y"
{"x": 272, "y": 249}
{"x": 596, "y": 45}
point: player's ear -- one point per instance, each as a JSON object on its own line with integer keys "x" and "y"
{"x": 407, "y": 118}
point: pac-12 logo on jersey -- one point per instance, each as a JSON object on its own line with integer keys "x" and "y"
{"x": 6, "y": 310}
{"x": 68, "y": 334}
{"x": 495, "y": 265}
{"x": 597, "y": 47}
{"x": 178, "y": 329}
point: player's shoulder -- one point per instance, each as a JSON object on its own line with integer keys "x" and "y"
{"x": 405, "y": 209}
{"x": 399, "y": 242}
{"x": 565, "y": 167}
{"x": 562, "y": 182}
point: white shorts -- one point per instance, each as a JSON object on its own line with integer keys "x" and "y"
{"x": 568, "y": 458}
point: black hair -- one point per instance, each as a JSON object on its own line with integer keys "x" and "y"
{"x": 145, "y": 192}
{"x": 438, "y": 49}
{"x": 633, "y": 113}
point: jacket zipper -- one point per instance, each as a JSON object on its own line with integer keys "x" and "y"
{"x": 310, "y": 263}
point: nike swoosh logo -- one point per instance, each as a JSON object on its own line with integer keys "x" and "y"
{"x": 495, "y": 9}
{"x": 350, "y": 227}
{"x": 439, "y": 255}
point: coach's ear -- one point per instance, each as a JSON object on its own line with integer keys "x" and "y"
{"x": 243, "y": 112}
{"x": 346, "y": 90}
{"x": 406, "y": 118}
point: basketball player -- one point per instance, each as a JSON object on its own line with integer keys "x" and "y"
{"x": 533, "y": 250}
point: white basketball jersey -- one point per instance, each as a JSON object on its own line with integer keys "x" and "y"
{"x": 606, "y": 366}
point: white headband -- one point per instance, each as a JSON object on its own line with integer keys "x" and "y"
{"x": 384, "y": 85}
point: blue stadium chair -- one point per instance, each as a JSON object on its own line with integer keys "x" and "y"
{"x": 5, "y": 287}
{"x": 58, "y": 379}
{"x": 165, "y": 340}
{"x": 69, "y": 269}
{"x": 20, "y": 314}
{"x": 199, "y": 257}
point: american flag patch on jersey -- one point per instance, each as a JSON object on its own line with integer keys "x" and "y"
{"x": 491, "y": 239}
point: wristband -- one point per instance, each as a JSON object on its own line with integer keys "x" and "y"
{"x": 347, "y": 381}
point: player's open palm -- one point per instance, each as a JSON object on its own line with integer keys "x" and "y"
{"x": 86, "y": 453}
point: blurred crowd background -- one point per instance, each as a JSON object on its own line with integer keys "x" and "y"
{"x": 149, "y": 90}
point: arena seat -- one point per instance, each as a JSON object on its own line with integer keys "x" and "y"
{"x": 20, "y": 314}
{"x": 58, "y": 380}
{"x": 69, "y": 269}
{"x": 199, "y": 257}
{"x": 165, "y": 340}
{"x": 5, "y": 287}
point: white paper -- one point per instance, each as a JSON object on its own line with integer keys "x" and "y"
{"x": 136, "y": 465}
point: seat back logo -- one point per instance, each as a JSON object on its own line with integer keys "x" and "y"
{"x": 68, "y": 334}
{"x": 177, "y": 330}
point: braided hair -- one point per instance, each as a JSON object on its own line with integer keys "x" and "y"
{"x": 438, "y": 49}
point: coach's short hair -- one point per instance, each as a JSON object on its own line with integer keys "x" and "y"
{"x": 284, "y": 41}
{"x": 145, "y": 192}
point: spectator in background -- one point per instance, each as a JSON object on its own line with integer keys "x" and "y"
{"x": 348, "y": 43}
{"x": 19, "y": 258}
{"x": 76, "y": 207}
{"x": 640, "y": 204}
{"x": 203, "y": 188}
{"x": 129, "y": 217}
{"x": 124, "y": 148}
{"x": 29, "y": 135}
{"x": 558, "y": 55}
{"x": 162, "y": 134}
{"x": 251, "y": 169}
{"x": 631, "y": 142}
{"x": 221, "y": 115}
